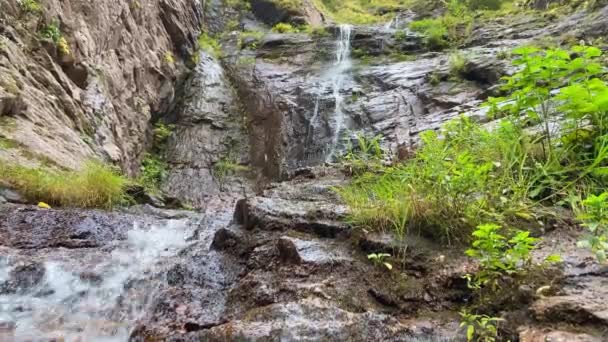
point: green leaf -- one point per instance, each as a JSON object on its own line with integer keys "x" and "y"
{"x": 553, "y": 259}
{"x": 470, "y": 332}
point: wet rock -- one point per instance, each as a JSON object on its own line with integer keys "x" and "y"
{"x": 320, "y": 218}
{"x": 580, "y": 303}
{"x": 91, "y": 278}
{"x": 544, "y": 335}
{"x": 23, "y": 277}
{"x": 141, "y": 196}
{"x": 312, "y": 252}
{"x": 206, "y": 130}
{"x": 177, "y": 275}
{"x": 225, "y": 239}
{"x": 317, "y": 320}
{"x": 32, "y": 228}
{"x": 12, "y": 196}
{"x": 288, "y": 252}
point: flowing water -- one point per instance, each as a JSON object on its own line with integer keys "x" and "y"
{"x": 334, "y": 81}
{"x": 338, "y": 75}
{"x": 89, "y": 294}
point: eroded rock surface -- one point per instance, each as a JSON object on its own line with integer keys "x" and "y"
{"x": 96, "y": 101}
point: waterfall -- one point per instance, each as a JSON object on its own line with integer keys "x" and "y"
{"x": 338, "y": 75}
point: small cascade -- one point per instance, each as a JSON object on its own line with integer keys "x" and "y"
{"x": 89, "y": 294}
{"x": 338, "y": 75}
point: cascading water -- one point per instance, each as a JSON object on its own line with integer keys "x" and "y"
{"x": 90, "y": 295}
{"x": 333, "y": 80}
{"x": 338, "y": 75}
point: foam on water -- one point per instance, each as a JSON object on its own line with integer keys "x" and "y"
{"x": 69, "y": 306}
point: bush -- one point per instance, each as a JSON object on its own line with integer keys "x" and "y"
{"x": 367, "y": 155}
{"x": 458, "y": 64}
{"x": 152, "y": 172}
{"x": 284, "y": 28}
{"x": 30, "y": 6}
{"x": 468, "y": 175}
{"x": 435, "y": 32}
{"x": 594, "y": 216}
{"x": 451, "y": 185}
{"x": 95, "y": 186}
{"x": 210, "y": 45}
{"x": 53, "y": 32}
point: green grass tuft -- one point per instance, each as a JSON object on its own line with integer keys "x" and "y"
{"x": 96, "y": 185}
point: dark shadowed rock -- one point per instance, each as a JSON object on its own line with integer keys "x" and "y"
{"x": 288, "y": 252}
{"x": 225, "y": 239}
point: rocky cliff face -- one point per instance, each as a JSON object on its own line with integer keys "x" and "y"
{"x": 124, "y": 60}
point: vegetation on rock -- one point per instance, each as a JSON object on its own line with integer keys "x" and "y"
{"x": 96, "y": 185}
{"x": 469, "y": 175}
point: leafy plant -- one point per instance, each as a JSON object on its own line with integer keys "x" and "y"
{"x": 153, "y": 168}
{"x": 250, "y": 39}
{"x": 209, "y": 44}
{"x": 51, "y": 31}
{"x": 458, "y": 64}
{"x": 594, "y": 215}
{"x": 379, "y": 259}
{"x": 366, "y": 156}
{"x": 30, "y": 6}
{"x": 480, "y": 327}
{"x": 152, "y": 172}
{"x": 499, "y": 256}
{"x": 162, "y": 132}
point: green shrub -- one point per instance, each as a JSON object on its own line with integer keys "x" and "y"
{"x": 52, "y": 32}
{"x": 480, "y": 327}
{"x": 96, "y": 185}
{"x": 209, "y": 44}
{"x": 290, "y": 5}
{"x": 435, "y": 32}
{"x": 498, "y": 255}
{"x": 360, "y": 11}
{"x": 451, "y": 185}
{"x": 162, "y": 132}
{"x": 458, "y": 64}
{"x": 30, "y": 6}
{"x": 366, "y": 156}
{"x": 581, "y": 145}
{"x": 284, "y": 28}
{"x": 153, "y": 169}
{"x": 254, "y": 36}
{"x": 152, "y": 172}
{"x": 594, "y": 216}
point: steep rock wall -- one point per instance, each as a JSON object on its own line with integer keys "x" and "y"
{"x": 97, "y": 101}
